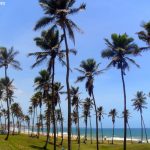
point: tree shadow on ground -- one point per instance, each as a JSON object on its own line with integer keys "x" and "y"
{"x": 37, "y": 147}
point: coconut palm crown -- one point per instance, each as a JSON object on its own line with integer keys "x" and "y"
{"x": 57, "y": 13}
{"x": 88, "y": 69}
{"x": 119, "y": 51}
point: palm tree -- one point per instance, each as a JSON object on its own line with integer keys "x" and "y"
{"x": 100, "y": 115}
{"x": 113, "y": 114}
{"x": 57, "y": 13}
{"x": 49, "y": 42}
{"x": 74, "y": 92}
{"x": 139, "y": 103}
{"x": 58, "y": 114}
{"x": 119, "y": 51}
{"x": 58, "y": 91}
{"x": 4, "y": 112}
{"x": 89, "y": 69}
{"x": 144, "y": 35}
{"x": 14, "y": 110}
{"x": 30, "y": 111}
{"x": 42, "y": 83}
{"x": 39, "y": 97}
{"x": 7, "y": 58}
{"x": 34, "y": 104}
{"x": 1, "y": 114}
{"x": 128, "y": 116}
{"x": 87, "y": 105}
{"x": 27, "y": 119}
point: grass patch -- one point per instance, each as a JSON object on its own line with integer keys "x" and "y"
{"x": 23, "y": 142}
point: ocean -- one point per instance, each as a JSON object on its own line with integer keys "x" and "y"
{"x": 107, "y": 133}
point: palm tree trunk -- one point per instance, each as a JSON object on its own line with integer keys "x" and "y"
{"x": 41, "y": 120}
{"x": 53, "y": 104}
{"x": 68, "y": 90}
{"x": 62, "y": 128}
{"x": 130, "y": 131}
{"x": 48, "y": 127}
{"x": 33, "y": 122}
{"x": 8, "y": 113}
{"x": 102, "y": 131}
{"x": 141, "y": 127}
{"x": 113, "y": 135}
{"x": 1, "y": 121}
{"x": 30, "y": 124}
{"x": 145, "y": 129}
{"x": 13, "y": 124}
{"x": 91, "y": 130}
{"x": 97, "y": 146}
{"x": 85, "y": 138}
{"x": 78, "y": 125}
{"x": 5, "y": 123}
{"x": 125, "y": 117}
{"x": 28, "y": 127}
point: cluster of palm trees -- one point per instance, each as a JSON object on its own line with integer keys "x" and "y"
{"x": 7, "y": 59}
{"x": 120, "y": 50}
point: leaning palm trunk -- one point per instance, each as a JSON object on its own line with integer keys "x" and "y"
{"x": 130, "y": 131}
{"x": 68, "y": 90}
{"x": 8, "y": 112}
{"x": 145, "y": 129}
{"x": 91, "y": 130}
{"x": 96, "y": 121}
{"x": 125, "y": 117}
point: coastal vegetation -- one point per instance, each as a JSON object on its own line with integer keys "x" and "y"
{"x": 45, "y": 113}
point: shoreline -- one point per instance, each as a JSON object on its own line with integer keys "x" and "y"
{"x": 65, "y": 135}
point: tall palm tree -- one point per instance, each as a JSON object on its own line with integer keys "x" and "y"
{"x": 7, "y": 58}
{"x": 128, "y": 116}
{"x": 89, "y": 69}
{"x": 119, "y": 51}
{"x": 139, "y": 103}
{"x": 100, "y": 115}
{"x": 74, "y": 92}
{"x": 113, "y": 115}
{"x": 57, "y": 13}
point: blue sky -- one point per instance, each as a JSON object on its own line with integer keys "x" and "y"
{"x": 99, "y": 21}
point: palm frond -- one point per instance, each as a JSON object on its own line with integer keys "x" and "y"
{"x": 43, "y": 22}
